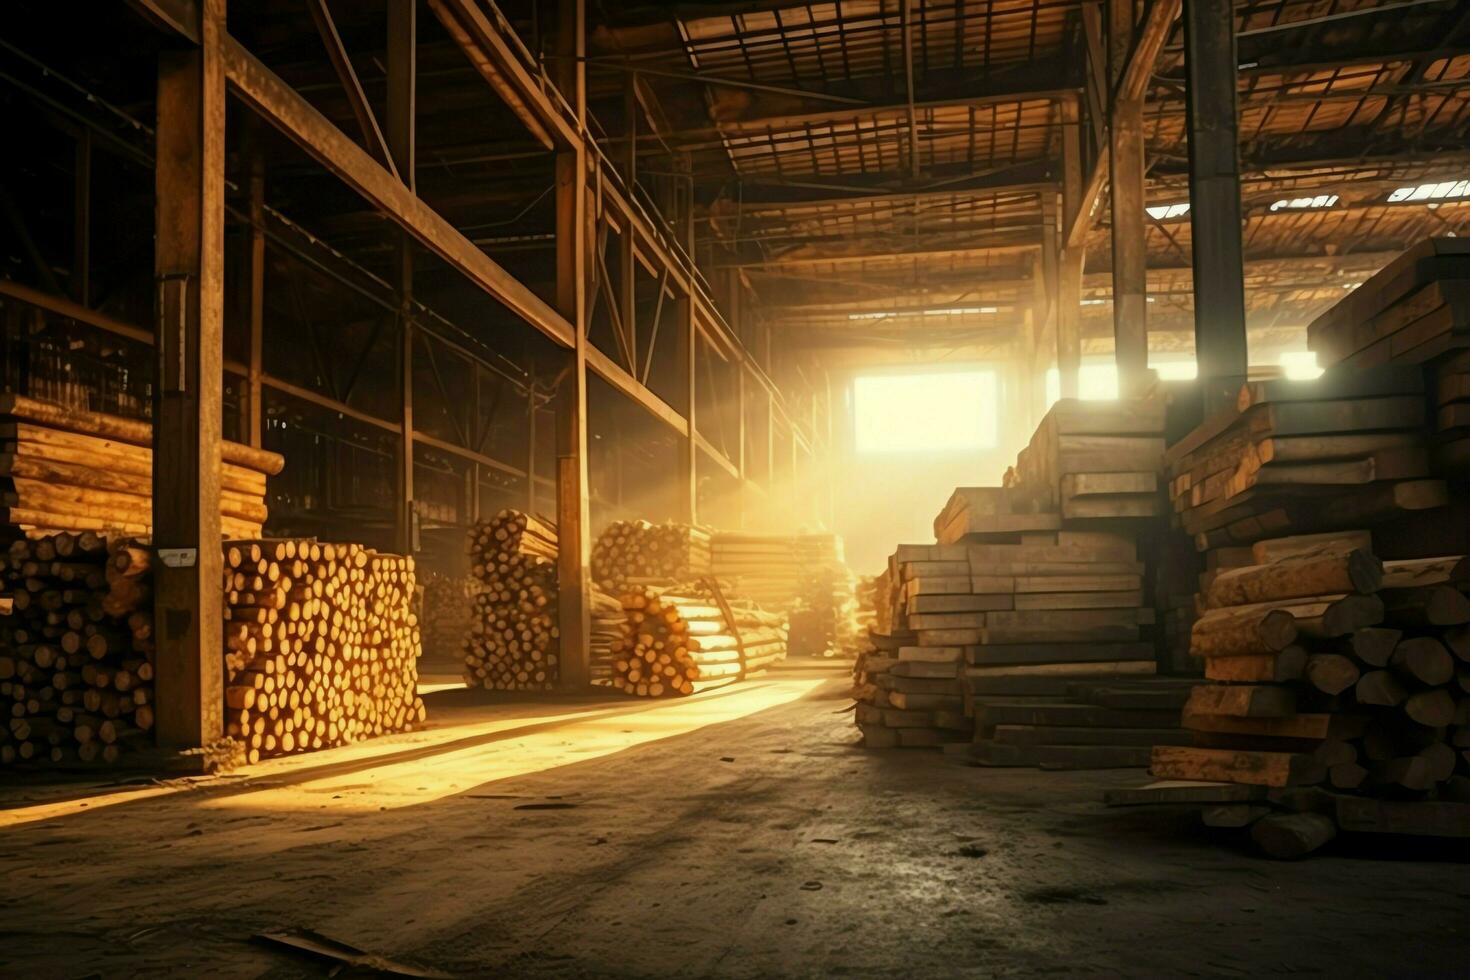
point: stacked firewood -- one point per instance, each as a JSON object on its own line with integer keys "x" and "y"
{"x": 1329, "y": 668}
{"x": 322, "y": 645}
{"x": 608, "y": 622}
{"x": 70, "y": 470}
{"x": 512, "y": 643}
{"x": 629, "y": 554}
{"x": 680, "y": 641}
{"x": 448, "y": 611}
{"x": 76, "y": 669}
{"x": 802, "y": 575}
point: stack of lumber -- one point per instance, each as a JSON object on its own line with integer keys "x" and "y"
{"x": 1451, "y": 385}
{"x": 512, "y": 644}
{"x": 70, "y": 470}
{"x": 691, "y": 638}
{"x": 322, "y": 645}
{"x": 608, "y": 623}
{"x": 802, "y": 575}
{"x": 1411, "y": 311}
{"x": 1346, "y": 450}
{"x": 76, "y": 650}
{"x": 629, "y": 554}
{"x": 1090, "y": 459}
{"x": 994, "y": 513}
{"x": 448, "y": 610}
{"x": 1329, "y": 668}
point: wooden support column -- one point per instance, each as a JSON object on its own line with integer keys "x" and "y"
{"x": 1073, "y": 257}
{"x": 401, "y": 139}
{"x": 1126, "y": 179}
{"x": 255, "y": 301}
{"x": 574, "y": 554}
{"x": 531, "y": 446}
{"x": 189, "y": 391}
{"x": 627, "y": 257}
{"x": 740, "y": 462}
{"x": 1214, "y": 195}
{"x": 688, "y": 360}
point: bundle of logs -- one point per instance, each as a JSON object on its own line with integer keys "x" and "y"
{"x": 1329, "y": 668}
{"x": 679, "y": 641}
{"x": 512, "y": 644}
{"x": 322, "y": 645}
{"x": 76, "y": 670}
{"x": 448, "y": 611}
{"x": 70, "y": 470}
{"x": 630, "y": 554}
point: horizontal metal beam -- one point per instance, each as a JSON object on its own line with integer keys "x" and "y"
{"x": 179, "y": 17}
{"x": 717, "y": 457}
{"x": 853, "y": 259}
{"x": 486, "y": 44}
{"x": 616, "y": 375}
{"x": 285, "y": 109}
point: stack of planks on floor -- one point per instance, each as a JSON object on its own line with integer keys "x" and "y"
{"x": 802, "y": 575}
{"x": 629, "y": 554}
{"x": 69, "y": 470}
{"x": 691, "y": 638}
{"x": 1345, "y": 450}
{"x": 322, "y": 645}
{"x": 1450, "y": 380}
{"x": 1092, "y": 459}
{"x": 1413, "y": 310}
{"x": 76, "y": 650}
{"x": 513, "y": 641}
{"x": 1329, "y": 668}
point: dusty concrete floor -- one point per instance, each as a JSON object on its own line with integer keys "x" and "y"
{"x": 761, "y": 844}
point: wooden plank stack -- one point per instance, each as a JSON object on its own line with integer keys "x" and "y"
{"x": 1346, "y": 450}
{"x": 679, "y": 641}
{"x": 322, "y": 645}
{"x": 513, "y": 641}
{"x": 802, "y": 575}
{"x": 70, "y": 470}
{"x": 1450, "y": 379}
{"x": 1093, "y": 459}
{"x": 1330, "y": 669}
{"x": 629, "y": 554}
{"x": 1413, "y": 310}
{"x": 76, "y": 650}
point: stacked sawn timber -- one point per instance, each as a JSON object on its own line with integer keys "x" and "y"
{"x": 322, "y": 645}
{"x": 629, "y": 554}
{"x": 76, "y": 650}
{"x": 1093, "y": 459}
{"x": 680, "y": 641}
{"x": 69, "y": 470}
{"x": 1346, "y": 450}
{"x": 1411, "y": 311}
{"x": 448, "y": 611}
{"x": 1331, "y": 669}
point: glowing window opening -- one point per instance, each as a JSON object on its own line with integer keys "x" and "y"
{"x": 1164, "y": 212}
{"x": 1431, "y": 192}
{"x": 1305, "y": 203}
{"x": 909, "y": 413}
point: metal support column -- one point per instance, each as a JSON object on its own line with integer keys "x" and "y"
{"x": 572, "y": 242}
{"x": 1214, "y": 195}
{"x": 255, "y": 301}
{"x": 188, "y": 396}
{"x": 1126, "y": 179}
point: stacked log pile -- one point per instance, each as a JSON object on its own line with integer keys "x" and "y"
{"x": 802, "y": 575}
{"x": 513, "y": 644}
{"x": 690, "y": 638}
{"x": 76, "y": 650}
{"x": 1330, "y": 669}
{"x": 629, "y": 554}
{"x": 1411, "y": 311}
{"x": 448, "y": 611}
{"x": 322, "y": 645}
{"x": 70, "y": 470}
